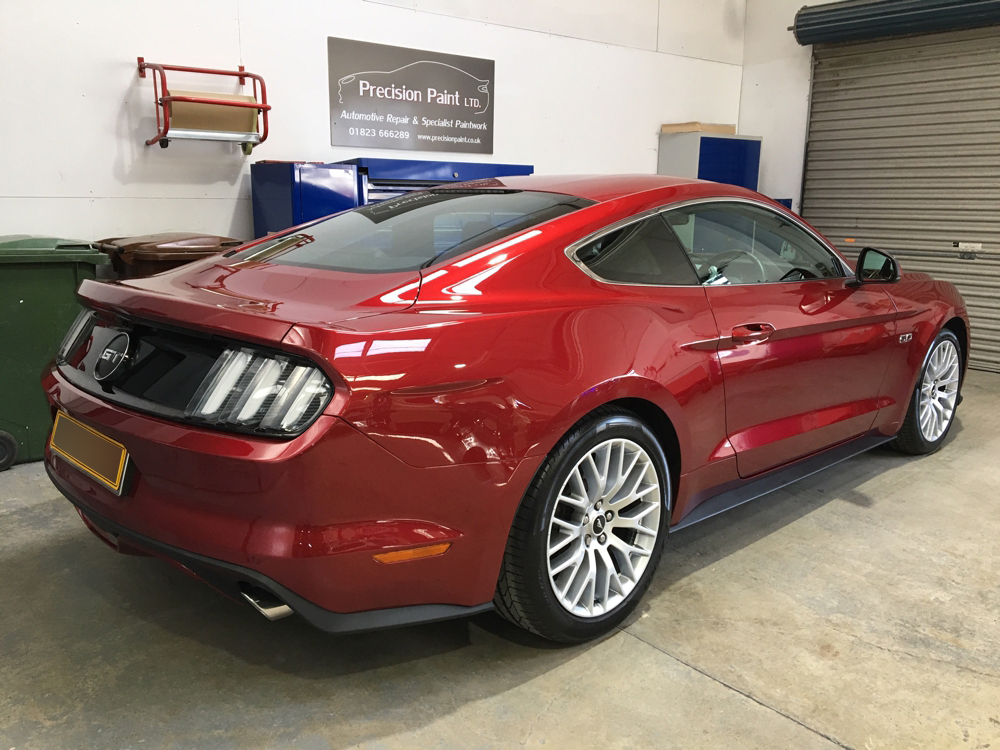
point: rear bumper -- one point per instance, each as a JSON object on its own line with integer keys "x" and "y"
{"x": 303, "y": 518}
{"x": 230, "y": 580}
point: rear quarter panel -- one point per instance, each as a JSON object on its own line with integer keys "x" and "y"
{"x": 503, "y": 353}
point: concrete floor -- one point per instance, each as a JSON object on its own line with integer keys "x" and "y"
{"x": 858, "y": 608}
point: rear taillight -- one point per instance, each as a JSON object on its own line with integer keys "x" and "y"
{"x": 265, "y": 393}
{"x": 82, "y": 325}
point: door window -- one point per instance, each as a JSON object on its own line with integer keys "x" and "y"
{"x": 736, "y": 243}
{"x": 646, "y": 252}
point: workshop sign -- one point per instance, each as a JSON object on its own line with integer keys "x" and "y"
{"x": 395, "y": 97}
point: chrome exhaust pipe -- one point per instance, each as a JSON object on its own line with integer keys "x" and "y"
{"x": 264, "y": 602}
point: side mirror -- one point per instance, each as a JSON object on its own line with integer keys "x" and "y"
{"x": 876, "y": 267}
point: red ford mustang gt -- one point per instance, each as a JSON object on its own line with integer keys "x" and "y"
{"x": 502, "y": 394}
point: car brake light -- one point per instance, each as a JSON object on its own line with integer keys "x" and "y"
{"x": 266, "y": 393}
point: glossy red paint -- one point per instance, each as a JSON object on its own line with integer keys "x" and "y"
{"x": 829, "y": 337}
{"x": 254, "y": 301}
{"x": 308, "y": 513}
{"x": 454, "y": 383}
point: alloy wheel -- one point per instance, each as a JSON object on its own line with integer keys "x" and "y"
{"x": 938, "y": 391}
{"x": 603, "y": 528}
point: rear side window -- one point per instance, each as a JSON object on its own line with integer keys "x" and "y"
{"x": 646, "y": 252}
{"x": 413, "y": 231}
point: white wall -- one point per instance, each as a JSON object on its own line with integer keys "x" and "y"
{"x": 774, "y": 100}
{"x": 706, "y": 29}
{"x": 703, "y": 29}
{"x": 629, "y": 23}
{"x": 581, "y": 87}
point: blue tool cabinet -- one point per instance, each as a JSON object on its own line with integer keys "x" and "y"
{"x": 285, "y": 194}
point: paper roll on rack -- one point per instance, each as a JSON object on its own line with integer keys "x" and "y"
{"x": 212, "y": 117}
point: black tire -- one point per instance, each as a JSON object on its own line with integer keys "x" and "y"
{"x": 8, "y": 450}
{"x": 910, "y": 439}
{"x": 524, "y": 593}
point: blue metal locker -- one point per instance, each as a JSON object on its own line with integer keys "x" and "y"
{"x": 732, "y": 159}
{"x": 285, "y": 194}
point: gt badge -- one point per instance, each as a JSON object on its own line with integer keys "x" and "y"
{"x": 905, "y": 337}
{"x": 112, "y": 358}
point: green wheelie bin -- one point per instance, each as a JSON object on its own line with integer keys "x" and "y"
{"x": 39, "y": 277}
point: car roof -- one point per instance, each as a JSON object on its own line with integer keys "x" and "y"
{"x": 602, "y": 188}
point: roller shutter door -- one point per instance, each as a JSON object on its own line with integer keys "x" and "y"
{"x": 904, "y": 154}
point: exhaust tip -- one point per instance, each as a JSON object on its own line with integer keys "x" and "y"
{"x": 264, "y": 601}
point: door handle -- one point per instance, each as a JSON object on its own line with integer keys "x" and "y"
{"x": 752, "y": 333}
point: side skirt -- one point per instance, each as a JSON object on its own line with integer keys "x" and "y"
{"x": 744, "y": 492}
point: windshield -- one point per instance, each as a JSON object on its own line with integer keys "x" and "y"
{"x": 413, "y": 231}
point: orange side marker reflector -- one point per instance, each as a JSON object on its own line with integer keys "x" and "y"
{"x": 848, "y": 239}
{"x": 404, "y": 555}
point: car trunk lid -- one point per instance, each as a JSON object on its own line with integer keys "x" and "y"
{"x": 252, "y": 300}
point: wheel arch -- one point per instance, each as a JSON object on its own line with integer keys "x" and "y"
{"x": 647, "y": 399}
{"x": 663, "y": 428}
{"x": 653, "y": 416}
{"x": 958, "y": 326}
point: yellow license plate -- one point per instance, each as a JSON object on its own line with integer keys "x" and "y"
{"x": 95, "y": 454}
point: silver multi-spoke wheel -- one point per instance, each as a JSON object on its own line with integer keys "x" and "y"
{"x": 938, "y": 391}
{"x": 603, "y": 528}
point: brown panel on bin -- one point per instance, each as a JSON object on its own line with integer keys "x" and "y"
{"x": 144, "y": 255}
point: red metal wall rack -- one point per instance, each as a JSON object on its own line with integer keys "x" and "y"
{"x": 163, "y": 102}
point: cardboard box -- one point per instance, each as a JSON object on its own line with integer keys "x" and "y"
{"x": 698, "y": 127}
